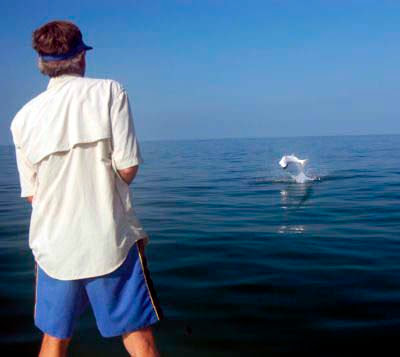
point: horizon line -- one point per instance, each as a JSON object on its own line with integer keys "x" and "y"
{"x": 257, "y": 137}
{"x": 269, "y": 137}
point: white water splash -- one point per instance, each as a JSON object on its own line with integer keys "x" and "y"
{"x": 293, "y": 160}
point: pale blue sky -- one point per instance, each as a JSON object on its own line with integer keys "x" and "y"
{"x": 211, "y": 69}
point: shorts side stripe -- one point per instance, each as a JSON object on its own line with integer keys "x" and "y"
{"x": 149, "y": 284}
{"x": 36, "y": 278}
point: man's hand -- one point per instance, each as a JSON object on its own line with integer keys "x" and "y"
{"x": 141, "y": 246}
{"x": 128, "y": 174}
{"x": 29, "y": 199}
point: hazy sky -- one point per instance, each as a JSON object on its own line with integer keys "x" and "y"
{"x": 211, "y": 69}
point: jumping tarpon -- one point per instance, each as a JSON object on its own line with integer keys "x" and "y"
{"x": 291, "y": 159}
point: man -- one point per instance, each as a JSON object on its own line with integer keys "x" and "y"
{"x": 77, "y": 153}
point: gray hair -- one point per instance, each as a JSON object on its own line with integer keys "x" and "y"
{"x": 74, "y": 65}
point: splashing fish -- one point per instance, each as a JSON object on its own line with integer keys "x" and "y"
{"x": 291, "y": 159}
{"x": 301, "y": 177}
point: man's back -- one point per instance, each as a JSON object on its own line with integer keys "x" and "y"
{"x": 71, "y": 140}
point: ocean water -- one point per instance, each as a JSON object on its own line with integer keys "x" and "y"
{"x": 245, "y": 261}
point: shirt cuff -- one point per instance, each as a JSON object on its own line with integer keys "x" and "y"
{"x": 27, "y": 193}
{"x": 135, "y": 161}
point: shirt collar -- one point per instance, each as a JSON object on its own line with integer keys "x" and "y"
{"x": 61, "y": 79}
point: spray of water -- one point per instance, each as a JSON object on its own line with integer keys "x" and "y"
{"x": 293, "y": 161}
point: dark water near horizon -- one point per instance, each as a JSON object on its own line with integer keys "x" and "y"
{"x": 245, "y": 261}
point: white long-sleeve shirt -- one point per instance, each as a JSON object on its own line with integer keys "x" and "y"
{"x": 69, "y": 141}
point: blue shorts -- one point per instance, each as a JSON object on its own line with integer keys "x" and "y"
{"x": 122, "y": 301}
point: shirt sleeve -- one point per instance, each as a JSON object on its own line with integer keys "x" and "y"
{"x": 27, "y": 173}
{"x": 126, "y": 150}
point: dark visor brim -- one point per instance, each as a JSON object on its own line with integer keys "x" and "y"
{"x": 81, "y": 46}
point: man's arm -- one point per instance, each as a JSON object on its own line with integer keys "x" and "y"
{"x": 27, "y": 175}
{"x": 126, "y": 154}
{"x": 128, "y": 174}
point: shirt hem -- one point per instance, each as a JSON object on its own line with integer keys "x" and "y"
{"x": 115, "y": 267}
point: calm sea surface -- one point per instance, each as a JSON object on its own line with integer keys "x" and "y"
{"x": 245, "y": 261}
